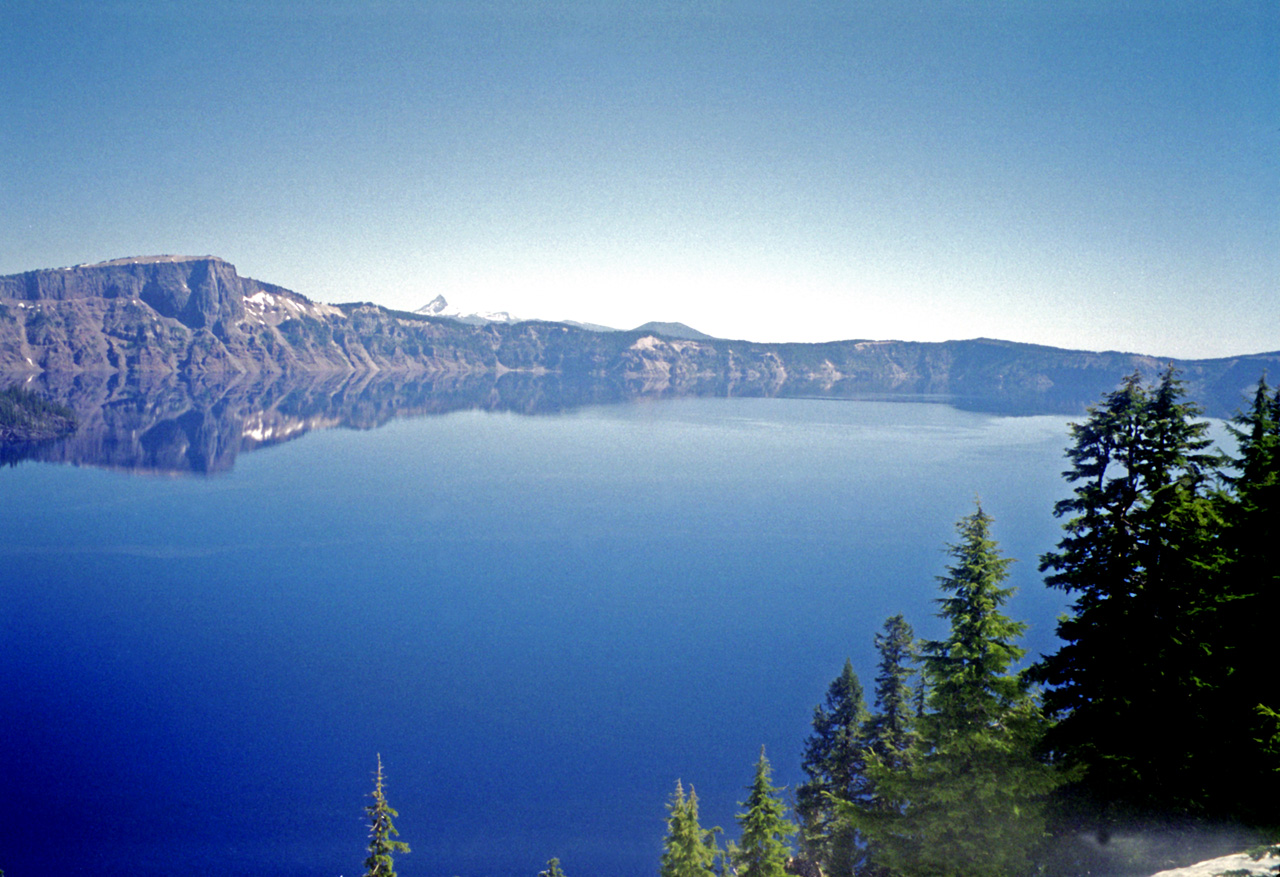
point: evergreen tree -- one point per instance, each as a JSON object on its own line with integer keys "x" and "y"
{"x": 889, "y": 732}
{"x": 968, "y": 801}
{"x": 1142, "y": 555}
{"x": 689, "y": 850}
{"x": 970, "y": 670}
{"x": 835, "y": 766}
{"x": 763, "y": 850}
{"x": 553, "y": 869}
{"x": 381, "y": 833}
{"x": 1249, "y": 708}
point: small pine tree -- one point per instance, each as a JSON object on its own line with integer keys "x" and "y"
{"x": 381, "y": 833}
{"x": 689, "y": 850}
{"x": 764, "y": 848}
{"x": 553, "y": 869}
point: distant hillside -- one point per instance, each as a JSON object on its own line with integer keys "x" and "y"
{"x": 29, "y": 417}
{"x": 197, "y": 316}
{"x": 674, "y": 330}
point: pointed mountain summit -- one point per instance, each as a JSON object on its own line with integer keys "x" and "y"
{"x": 435, "y": 307}
{"x": 440, "y": 307}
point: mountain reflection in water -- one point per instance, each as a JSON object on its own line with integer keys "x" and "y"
{"x": 182, "y": 425}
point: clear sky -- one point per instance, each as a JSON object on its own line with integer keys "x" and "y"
{"x": 1099, "y": 175}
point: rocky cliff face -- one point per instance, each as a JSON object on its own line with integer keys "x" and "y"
{"x": 198, "y": 316}
{"x": 158, "y": 313}
{"x": 201, "y": 292}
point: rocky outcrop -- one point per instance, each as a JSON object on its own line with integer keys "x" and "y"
{"x": 157, "y": 313}
{"x": 1238, "y": 863}
{"x": 197, "y": 316}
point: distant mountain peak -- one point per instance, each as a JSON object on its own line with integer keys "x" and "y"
{"x": 440, "y": 307}
{"x": 435, "y": 307}
{"x": 674, "y": 330}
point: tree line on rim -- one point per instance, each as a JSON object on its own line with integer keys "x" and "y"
{"x": 1160, "y": 710}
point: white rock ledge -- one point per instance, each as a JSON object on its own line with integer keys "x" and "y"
{"x": 1212, "y": 867}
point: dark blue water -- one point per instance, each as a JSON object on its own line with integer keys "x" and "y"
{"x": 539, "y": 622}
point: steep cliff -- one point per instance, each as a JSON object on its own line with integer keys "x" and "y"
{"x": 198, "y": 316}
{"x": 157, "y": 313}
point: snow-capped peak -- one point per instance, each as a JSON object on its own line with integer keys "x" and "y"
{"x": 440, "y": 307}
{"x": 434, "y": 308}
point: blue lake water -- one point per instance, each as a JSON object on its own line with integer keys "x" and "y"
{"x": 539, "y": 622}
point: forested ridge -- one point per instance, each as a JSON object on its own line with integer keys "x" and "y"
{"x": 1158, "y": 717}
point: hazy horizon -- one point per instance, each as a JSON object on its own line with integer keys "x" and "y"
{"x": 1083, "y": 176}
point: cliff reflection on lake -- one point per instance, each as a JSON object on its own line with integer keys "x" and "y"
{"x": 183, "y": 425}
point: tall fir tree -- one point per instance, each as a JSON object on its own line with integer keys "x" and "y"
{"x": 688, "y": 850}
{"x": 382, "y": 832}
{"x": 835, "y": 765}
{"x": 1249, "y": 709}
{"x": 968, "y": 801}
{"x": 890, "y": 730}
{"x": 764, "y": 847}
{"x": 1142, "y": 555}
{"x": 972, "y": 686}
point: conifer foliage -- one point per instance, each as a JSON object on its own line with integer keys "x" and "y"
{"x": 1143, "y": 555}
{"x": 764, "y": 847}
{"x": 382, "y": 832}
{"x": 1250, "y": 711}
{"x": 966, "y": 799}
{"x": 689, "y": 850}
{"x": 836, "y": 769}
{"x": 553, "y": 869}
{"x": 890, "y": 731}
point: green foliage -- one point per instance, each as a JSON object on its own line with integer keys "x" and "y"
{"x": 835, "y": 765}
{"x": 553, "y": 869}
{"x": 968, "y": 800}
{"x": 763, "y": 849}
{"x": 382, "y": 833}
{"x": 1149, "y": 679}
{"x": 26, "y": 414}
{"x": 689, "y": 850}
{"x": 1249, "y": 701}
{"x": 890, "y": 732}
{"x": 969, "y": 672}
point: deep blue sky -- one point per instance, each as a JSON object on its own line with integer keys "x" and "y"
{"x": 1099, "y": 175}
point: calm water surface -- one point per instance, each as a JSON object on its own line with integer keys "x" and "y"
{"x": 539, "y": 622}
